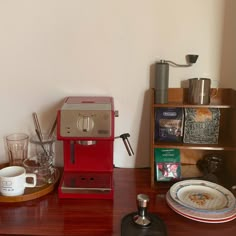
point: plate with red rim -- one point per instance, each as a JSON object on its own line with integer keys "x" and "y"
{"x": 203, "y": 220}
{"x": 203, "y": 196}
{"x": 198, "y": 215}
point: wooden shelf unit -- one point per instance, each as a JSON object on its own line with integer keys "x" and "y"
{"x": 225, "y": 100}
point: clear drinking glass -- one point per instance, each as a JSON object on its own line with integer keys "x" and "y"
{"x": 17, "y": 145}
{"x": 45, "y": 149}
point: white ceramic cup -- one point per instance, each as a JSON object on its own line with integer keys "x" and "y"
{"x": 13, "y": 181}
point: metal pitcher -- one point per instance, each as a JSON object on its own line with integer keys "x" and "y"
{"x": 199, "y": 92}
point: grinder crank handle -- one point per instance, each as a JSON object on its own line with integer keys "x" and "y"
{"x": 127, "y": 143}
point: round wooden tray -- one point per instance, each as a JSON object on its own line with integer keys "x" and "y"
{"x": 33, "y": 193}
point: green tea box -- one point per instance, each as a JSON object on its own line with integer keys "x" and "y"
{"x": 167, "y": 162}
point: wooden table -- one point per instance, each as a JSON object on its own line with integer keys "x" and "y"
{"x": 50, "y": 215}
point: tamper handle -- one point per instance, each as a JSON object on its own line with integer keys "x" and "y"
{"x": 143, "y": 200}
{"x": 141, "y": 218}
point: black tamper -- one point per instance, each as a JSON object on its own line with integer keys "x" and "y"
{"x": 142, "y": 222}
{"x": 141, "y": 218}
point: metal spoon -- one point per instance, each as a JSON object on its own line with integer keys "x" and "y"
{"x": 41, "y": 142}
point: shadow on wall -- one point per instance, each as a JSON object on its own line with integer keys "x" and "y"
{"x": 143, "y": 145}
{"x": 228, "y": 69}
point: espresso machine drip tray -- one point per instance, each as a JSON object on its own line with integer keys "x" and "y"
{"x": 86, "y": 183}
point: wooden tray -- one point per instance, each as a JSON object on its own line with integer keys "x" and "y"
{"x": 33, "y": 193}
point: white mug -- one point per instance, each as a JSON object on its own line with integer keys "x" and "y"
{"x": 13, "y": 181}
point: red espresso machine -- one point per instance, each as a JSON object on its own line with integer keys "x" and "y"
{"x": 86, "y": 127}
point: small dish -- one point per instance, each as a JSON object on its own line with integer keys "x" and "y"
{"x": 200, "y": 216}
{"x": 204, "y": 196}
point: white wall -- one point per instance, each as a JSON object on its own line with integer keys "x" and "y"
{"x": 50, "y": 49}
{"x": 228, "y": 68}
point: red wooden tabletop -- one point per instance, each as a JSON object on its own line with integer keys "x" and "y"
{"x": 50, "y": 215}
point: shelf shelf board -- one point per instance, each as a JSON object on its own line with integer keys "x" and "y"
{"x": 216, "y": 147}
{"x": 178, "y": 97}
{"x": 181, "y": 105}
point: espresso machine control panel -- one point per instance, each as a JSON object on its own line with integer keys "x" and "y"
{"x": 86, "y": 118}
{"x": 76, "y": 123}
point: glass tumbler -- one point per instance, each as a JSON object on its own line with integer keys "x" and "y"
{"x": 17, "y": 145}
{"x": 44, "y": 150}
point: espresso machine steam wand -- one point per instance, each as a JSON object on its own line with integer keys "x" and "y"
{"x": 125, "y": 139}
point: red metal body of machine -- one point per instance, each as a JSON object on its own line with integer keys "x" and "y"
{"x": 86, "y": 127}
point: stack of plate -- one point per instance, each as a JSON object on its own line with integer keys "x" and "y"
{"x": 202, "y": 201}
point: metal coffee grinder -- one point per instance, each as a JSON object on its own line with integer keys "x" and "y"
{"x": 86, "y": 127}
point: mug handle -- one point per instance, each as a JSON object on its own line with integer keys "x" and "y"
{"x": 30, "y": 185}
{"x": 214, "y": 91}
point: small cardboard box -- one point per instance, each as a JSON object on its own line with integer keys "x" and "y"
{"x": 169, "y": 124}
{"x": 167, "y": 162}
{"x": 201, "y": 125}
